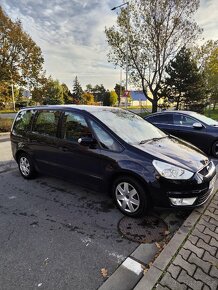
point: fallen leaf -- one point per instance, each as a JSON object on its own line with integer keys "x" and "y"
{"x": 158, "y": 245}
{"x": 145, "y": 270}
{"x": 166, "y": 233}
{"x": 104, "y": 272}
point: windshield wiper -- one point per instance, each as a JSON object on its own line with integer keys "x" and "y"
{"x": 153, "y": 139}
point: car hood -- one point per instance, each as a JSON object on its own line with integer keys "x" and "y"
{"x": 175, "y": 151}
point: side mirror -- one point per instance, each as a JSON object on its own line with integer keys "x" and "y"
{"x": 197, "y": 125}
{"x": 86, "y": 141}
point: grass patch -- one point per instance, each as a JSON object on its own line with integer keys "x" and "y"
{"x": 5, "y": 124}
{"x": 212, "y": 114}
{"x": 6, "y": 111}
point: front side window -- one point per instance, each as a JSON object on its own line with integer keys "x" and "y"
{"x": 75, "y": 127}
{"x": 46, "y": 123}
{"x": 22, "y": 122}
{"x": 106, "y": 141}
{"x": 183, "y": 120}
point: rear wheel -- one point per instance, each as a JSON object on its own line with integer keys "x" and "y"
{"x": 26, "y": 166}
{"x": 130, "y": 197}
{"x": 214, "y": 149}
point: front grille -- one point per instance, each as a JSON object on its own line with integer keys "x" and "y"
{"x": 203, "y": 197}
{"x": 205, "y": 171}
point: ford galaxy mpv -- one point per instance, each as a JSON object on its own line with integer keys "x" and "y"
{"x": 112, "y": 150}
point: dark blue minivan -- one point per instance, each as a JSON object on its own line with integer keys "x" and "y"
{"x": 112, "y": 149}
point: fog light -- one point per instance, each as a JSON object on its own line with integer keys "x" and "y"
{"x": 182, "y": 201}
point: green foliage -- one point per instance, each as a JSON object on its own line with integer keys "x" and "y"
{"x": 77, "y": 92}
{"x": 21, "y": 59}
{"x": 68, "y": 98}
{"x": 113, "y": 98}
{"x": 157, "y": 30}
{"x": 50, "y": 93}
{"x": 185, "y": 85}
{"x": 106, "y": 99}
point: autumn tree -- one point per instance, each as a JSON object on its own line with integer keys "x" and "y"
{"x": 157, "y": 30}
{"x": 113, "y": 98}
{"x": 88, "y": 98}
{"x": 21, "y": 59}
{"x": 206, "y": 56}
{"x": 211, "y": 73}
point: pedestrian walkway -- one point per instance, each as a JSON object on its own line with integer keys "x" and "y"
{"x": 190, "y": 260}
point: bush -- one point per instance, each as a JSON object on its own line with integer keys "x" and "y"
{"x": 5, "y": 124}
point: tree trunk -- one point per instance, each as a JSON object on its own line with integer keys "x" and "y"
{"x": 154, "y": 105}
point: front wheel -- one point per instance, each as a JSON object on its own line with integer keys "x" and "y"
{"x": 26, "y": 166}
{"x": 214, "y": 149}
{"x": 130, "y": 197}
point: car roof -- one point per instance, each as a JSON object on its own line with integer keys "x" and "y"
{"x": 88, "y": 108}
{"x": 190, "y": 113}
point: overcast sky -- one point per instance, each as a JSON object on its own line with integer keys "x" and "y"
{"x": 71, "y": 35}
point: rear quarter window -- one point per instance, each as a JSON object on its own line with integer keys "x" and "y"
{"x": 22, "y": 122}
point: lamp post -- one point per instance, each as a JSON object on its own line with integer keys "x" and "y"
{"x": 127, "y": 44}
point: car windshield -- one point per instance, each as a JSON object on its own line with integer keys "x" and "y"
{"x": 204, "y": 119}
{"x": 128, "y": 126}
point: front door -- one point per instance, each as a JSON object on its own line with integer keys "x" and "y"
{"x": 82, "y": 164}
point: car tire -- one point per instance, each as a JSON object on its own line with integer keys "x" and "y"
{"x": 214, "y": 149}
{"x": 130, "y": 197}
{"x": 26, "y": 166}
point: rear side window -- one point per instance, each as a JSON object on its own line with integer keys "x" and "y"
{"x": 46, "y": 123}
{"x": 22, "y": 122}
{"x": 161, "y": 119}
{"x": 75, "y": 127}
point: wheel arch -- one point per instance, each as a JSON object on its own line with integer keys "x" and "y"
{"x": 131, "y": 174}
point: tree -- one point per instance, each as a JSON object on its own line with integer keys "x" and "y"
{"x": 77, "y": 92}
{"x": 211, "y": 73}
{"x": 88, "y": 98}
{"x": 120, "y": 91}
{"x": 21, "y": 59}
{"x": 113, "y": 98}
{"x": 207, "y": 59}
{"x": 50, "y": 93}
{"x": 157, "y": 30}
{"x": 99, "y": 92}
{"x": 185, "y": 85}
{"x": 68, "y": 98}
{"x": 106, "y": 99}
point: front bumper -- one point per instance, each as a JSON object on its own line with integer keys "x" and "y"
{"x": 169, "y": 193}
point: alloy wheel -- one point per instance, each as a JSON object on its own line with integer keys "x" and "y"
{"x": 127, "y": 197}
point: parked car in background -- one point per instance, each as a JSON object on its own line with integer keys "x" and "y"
{"x": 190, "y": 126}
{"x": 112, "y": 149}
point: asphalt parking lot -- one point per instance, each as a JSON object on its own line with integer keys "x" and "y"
{"x": 55, "y": 235}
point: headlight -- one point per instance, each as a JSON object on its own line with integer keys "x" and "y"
{"x": 170, "y": 171}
